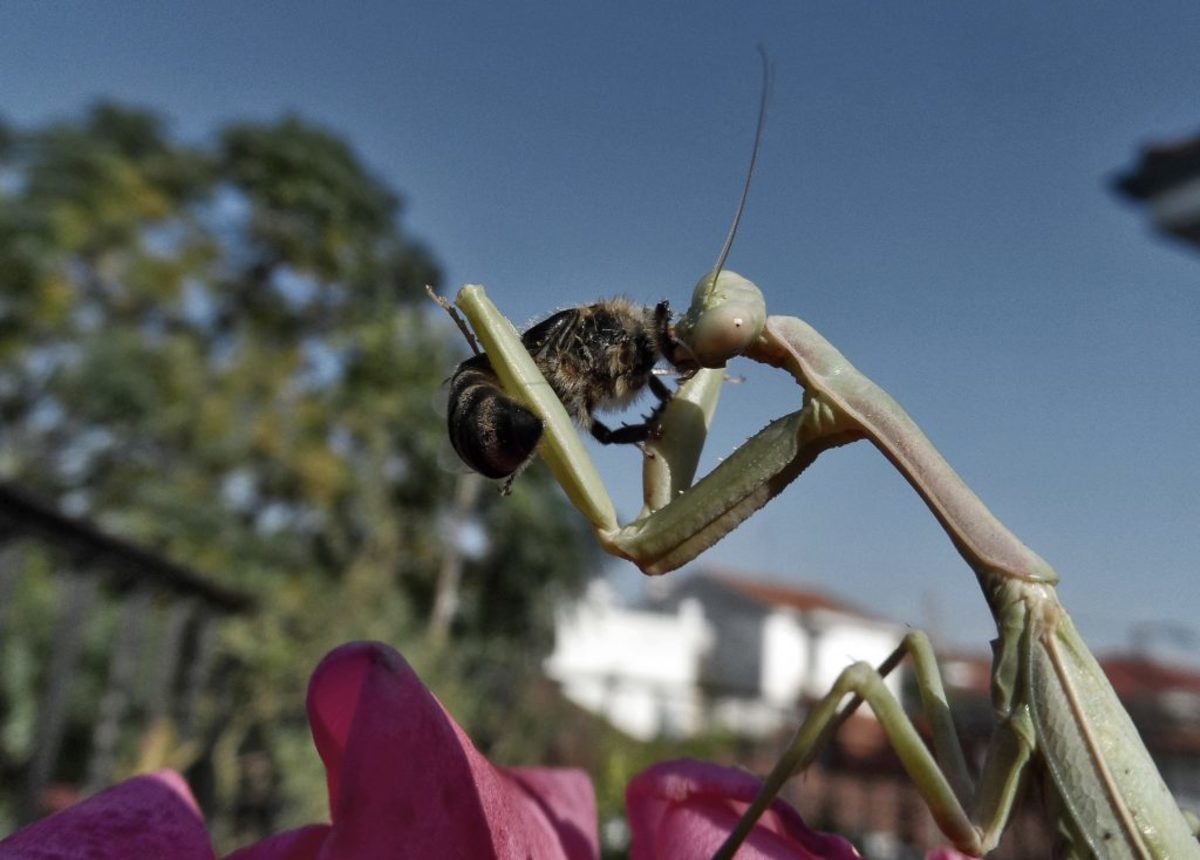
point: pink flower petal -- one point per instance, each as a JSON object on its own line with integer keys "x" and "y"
{"x": 405, "y": 781}
{"x": 567, "y": 798}
{"x": 685, "y": 809}
{"x": 151, "y": 816}
{"x": 304, "y": 843}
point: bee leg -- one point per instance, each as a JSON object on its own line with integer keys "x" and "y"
{"x": 458, "y": 320}
{"x": 629, "y": 434}
{"x": 659, "y": 389}
{"x": 664, "y": 395}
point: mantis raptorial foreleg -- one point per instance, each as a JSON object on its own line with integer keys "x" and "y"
{"x": 679, "y": 521}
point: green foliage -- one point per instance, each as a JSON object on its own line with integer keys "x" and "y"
{"x": 223, "y": 353}
{"x": 312, "y": 204}
{"x": 510, "y": 573}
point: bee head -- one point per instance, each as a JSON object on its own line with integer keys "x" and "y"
{"x": 670, "y": 347}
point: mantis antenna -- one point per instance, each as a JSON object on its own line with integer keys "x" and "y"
{"x": 727, "y": 312}
{"x": 767, "y": 73}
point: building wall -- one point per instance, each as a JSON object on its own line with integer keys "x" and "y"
{"x": 638, "y": 669}
{"x": 803, "y": 653}
{"x": 787, "y": 658}
{"x": 841, "y": 640}
{"x": 706, "y": 660}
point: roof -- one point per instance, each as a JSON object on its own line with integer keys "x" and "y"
{"x": 779, "y": 596}
{"x": 1135, "y": 676}
{"x": 24, "y": 514}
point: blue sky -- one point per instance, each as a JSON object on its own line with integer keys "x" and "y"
{"x": 933, "y": 196}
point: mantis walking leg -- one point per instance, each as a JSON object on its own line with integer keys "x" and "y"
{"x": 941, "y": 777}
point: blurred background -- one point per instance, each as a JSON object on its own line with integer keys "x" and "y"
{"x": 222, "y": 387}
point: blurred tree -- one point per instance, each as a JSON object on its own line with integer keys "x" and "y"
{"x": 223, "y": 351}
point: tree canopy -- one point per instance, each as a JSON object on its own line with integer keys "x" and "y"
{"x": 221, "y": 350}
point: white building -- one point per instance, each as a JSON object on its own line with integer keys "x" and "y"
{"x": 716, "y": 651}
{"x": 638, "y": 668}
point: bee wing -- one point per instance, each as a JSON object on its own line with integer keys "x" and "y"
{"x": 447, "y": 458}
{"x": 449, "y": 461}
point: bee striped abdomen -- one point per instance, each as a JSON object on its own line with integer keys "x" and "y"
{"x": 492, "y": 433}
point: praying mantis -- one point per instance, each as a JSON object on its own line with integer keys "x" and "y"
{"x": 1052, "y": 703}
{"x": 1055, "y": 710}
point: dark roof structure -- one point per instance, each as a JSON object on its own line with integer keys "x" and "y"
{"x": 22, "y": 514}
{"x": 1161, "y": 166}
{"x": 1167, "y": 179}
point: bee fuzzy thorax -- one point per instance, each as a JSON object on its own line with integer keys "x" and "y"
{"x": 598, "y": 356}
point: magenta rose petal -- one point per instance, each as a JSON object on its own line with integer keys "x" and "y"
{"x": 686, "y": 808}
{"x": 304, "y": 843}
{"x": 568, "y": 800}
{"x": 405, "y": 781}
{"x": 149, "y": 816}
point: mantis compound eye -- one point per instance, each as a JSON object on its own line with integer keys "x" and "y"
{"x": 726, "y": 316}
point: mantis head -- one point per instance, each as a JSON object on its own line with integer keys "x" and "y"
{"x": 725, "y": 317}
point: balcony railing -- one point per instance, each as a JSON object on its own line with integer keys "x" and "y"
{"x": 147, "y": 621}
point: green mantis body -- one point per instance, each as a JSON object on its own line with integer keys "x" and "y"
{"x": 1053, "y": 704}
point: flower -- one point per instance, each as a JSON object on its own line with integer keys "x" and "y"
{"x": 684, "y": 809}
{"x": 404, "y": 782}
{"x": 153, "y": 815}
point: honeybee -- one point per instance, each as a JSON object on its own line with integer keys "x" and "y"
{"x": 594, "y": 357}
